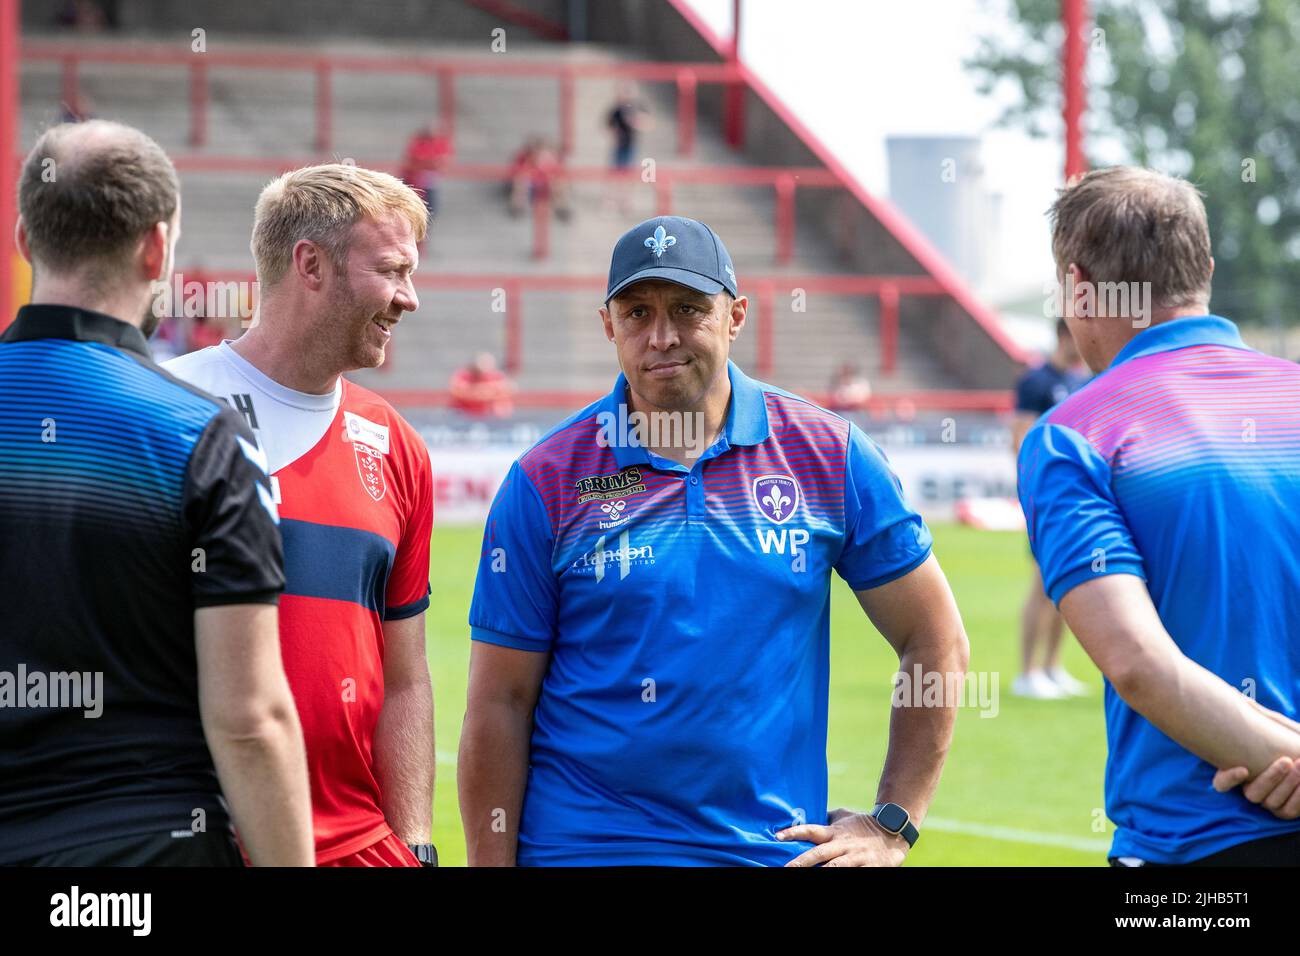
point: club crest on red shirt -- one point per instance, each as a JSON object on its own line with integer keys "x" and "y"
{"x": 370, "y": 466}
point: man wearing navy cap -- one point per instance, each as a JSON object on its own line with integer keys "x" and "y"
{"x": 650, "y": 663}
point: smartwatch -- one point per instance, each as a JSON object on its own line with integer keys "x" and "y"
{"x": 895, "y": 819}
{"x": 426, "y": 853}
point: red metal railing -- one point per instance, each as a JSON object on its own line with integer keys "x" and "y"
{"x": 940, "y": 280}
{"x": 686, "y": 77}
{"x": 783, "y": 180}
{"x": 887, "y": 289}
{"x": 901, "y": 404}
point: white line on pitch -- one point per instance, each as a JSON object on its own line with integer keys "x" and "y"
{"x": 1011, "y": 835}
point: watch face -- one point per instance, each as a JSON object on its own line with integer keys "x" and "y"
{"x": 892, "y": 817}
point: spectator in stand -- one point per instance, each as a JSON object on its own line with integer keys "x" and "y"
{"x": 427, "y": 156}
{"x": 481, "y": 389}
{"x": 536, "y": 177}
{"x": 627, "y": 117}
{"x": 88, "y": 16}
{"x": 850, "y": 390}
{"x": 206, "y": 332}
{"x": 168, "y": 341}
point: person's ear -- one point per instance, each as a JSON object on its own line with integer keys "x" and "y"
{"x": 309, "y": 262}
{"x": 20, "y": 240}
{"x": 1079, "y": 297}
{"x": 739, "y": 310}
{"x": 153, "y": 252}
{"x": 608, "y": 322}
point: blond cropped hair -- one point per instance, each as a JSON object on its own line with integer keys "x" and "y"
{"x": 322, "y": 203}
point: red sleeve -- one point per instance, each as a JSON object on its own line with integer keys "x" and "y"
{"x": 408, "y": 584}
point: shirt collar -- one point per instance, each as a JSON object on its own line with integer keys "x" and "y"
{"x": 1180, "y": 333}
{"x": 281, "y": 393}
{"x": 746, "y": 417}
{"x": 46, "y": 321}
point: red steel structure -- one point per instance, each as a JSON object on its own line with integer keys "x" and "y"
{"x": 9, "y": 107}
{"x": 731, "y": 73}
{"x": 783, "y": 180}
{"x": 1074, "y": 16}
{"x": 324, "y": 66}
{"x": 886, "y": 288}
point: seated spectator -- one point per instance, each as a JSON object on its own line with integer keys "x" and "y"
{"x": 481, "y": 389}
{"x": 536, "y": 177}
{"x": 427, "y": 156}
{"x": 850, "y": 390}
{"x": 206, "y": 331}
{"x": 166, "y": 342}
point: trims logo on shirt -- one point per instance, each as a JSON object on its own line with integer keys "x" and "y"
{"x": 777, "y": 497}
{"x": 604, "y": 487}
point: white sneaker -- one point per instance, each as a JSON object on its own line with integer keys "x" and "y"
{"x": 1062, "y": 679}
{"x": 1036, "y": 685}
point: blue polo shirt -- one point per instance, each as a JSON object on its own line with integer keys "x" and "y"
{"x": 682, "y": 719}
{"x": 1180, "y": 464}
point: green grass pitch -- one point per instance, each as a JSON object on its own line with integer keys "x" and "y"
{"x": 1022, "y": 788}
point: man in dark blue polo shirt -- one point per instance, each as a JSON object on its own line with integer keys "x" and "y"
{"x": 651, "y": 620}
{"x": 142, "y": 701}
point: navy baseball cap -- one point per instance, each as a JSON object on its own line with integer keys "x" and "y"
{"x": 672, "y": 248}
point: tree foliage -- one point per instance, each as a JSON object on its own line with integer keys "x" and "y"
{"x": 1197, "y": 88}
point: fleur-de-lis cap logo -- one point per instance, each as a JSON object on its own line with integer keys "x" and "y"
{"x": 659, "y": 242}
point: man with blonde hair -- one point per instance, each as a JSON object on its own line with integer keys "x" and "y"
{"x": 335, "y": 247}
{"x": 1160, "y": 504}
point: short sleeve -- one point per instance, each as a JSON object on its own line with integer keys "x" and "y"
{"x": 516, "y": 594}
{"x": 1076, "y": 528}
{"x": 884, "y": 539}
{"x": 408, "y": 583}
{"x": 237, "y": 555}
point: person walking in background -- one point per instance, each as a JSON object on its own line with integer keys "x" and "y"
{"x": 1042, "y": 675}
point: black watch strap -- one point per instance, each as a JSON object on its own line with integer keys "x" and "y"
{"x": 895, "y": 819}
{"x": 426, "y": 853}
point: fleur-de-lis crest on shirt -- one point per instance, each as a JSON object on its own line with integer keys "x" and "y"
{"x": 659, "y": 242}
{"x": 775, "y": 500}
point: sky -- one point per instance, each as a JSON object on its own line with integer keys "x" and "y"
{"x": 857, "y": 71}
